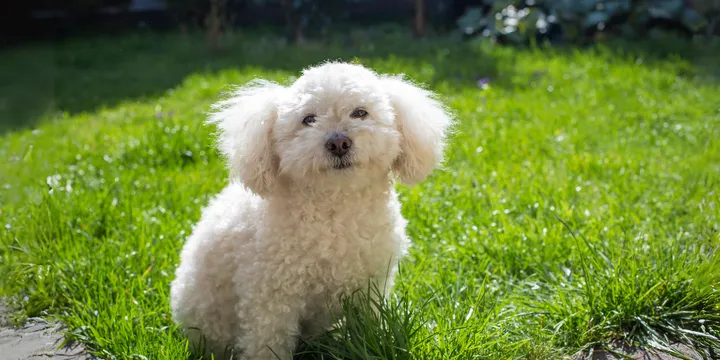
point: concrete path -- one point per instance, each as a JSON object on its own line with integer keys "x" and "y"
{"x": 640, "y": 354}
{"x": 35, "y": 340}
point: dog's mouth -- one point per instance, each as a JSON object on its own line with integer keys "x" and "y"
{"x": 341, "y": 163}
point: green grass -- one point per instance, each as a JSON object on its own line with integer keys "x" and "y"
{"x": 580, "y": 203}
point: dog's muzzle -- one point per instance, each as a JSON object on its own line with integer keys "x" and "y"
{"x": 338, "y": 145}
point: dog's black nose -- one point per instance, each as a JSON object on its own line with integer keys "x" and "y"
{"x": 338, "y": 145}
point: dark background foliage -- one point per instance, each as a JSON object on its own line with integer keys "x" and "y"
{"x": 509, "y": 21}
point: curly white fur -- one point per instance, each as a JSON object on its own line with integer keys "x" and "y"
{"x": 273, "y": 250}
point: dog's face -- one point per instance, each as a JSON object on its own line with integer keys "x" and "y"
{"x": 337, "y": 124}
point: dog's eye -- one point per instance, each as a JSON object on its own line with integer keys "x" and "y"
{"x": 358, "y": 113}
{"x": 309, "y": 120}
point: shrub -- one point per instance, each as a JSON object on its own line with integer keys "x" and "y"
{"x": 520, "y": 21}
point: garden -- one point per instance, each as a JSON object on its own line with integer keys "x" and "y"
{"x": 578, "y": 210}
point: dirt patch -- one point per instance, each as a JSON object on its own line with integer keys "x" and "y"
{"x": 37, "y": 339}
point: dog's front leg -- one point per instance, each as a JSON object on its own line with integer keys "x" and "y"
{"x": 270, "y": 331}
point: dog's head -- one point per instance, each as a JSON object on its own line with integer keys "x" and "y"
{"x": 337, "y": 124}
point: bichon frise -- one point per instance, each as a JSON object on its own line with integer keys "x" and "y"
{"x": 313, "y": 215}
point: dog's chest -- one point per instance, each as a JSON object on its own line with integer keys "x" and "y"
{"x": 348, "y": 256}
{"x": 345, "y": 239}
{"x": 337, "y": 246}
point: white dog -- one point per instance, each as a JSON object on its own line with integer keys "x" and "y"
{"x": 314, "y": 214}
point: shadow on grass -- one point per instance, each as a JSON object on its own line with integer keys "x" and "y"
{"x": 81, "y": 75}
{"x": 701, "y": 55}
{"x": 86, "y": 74}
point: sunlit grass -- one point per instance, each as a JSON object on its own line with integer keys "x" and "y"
{"x": 579, "y": 204}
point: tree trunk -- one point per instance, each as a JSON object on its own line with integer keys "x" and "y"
{"x": 214, "y": 23}
{"x": 419, "y": 28}
{"x": 292, "y": 22}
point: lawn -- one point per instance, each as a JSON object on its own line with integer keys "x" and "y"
{"x": 579, "y": 204}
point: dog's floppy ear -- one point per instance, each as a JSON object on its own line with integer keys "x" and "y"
{"x": 423, "y": 123}
{"x": 245, "y": 121}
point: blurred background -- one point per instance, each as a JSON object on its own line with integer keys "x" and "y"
{"x": 508, "y": 21}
